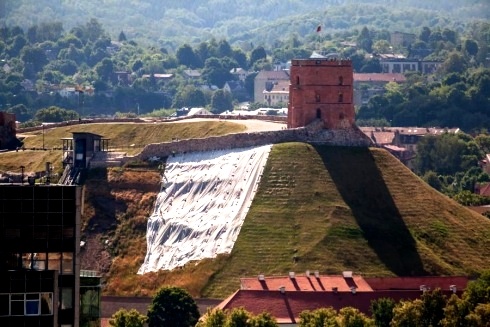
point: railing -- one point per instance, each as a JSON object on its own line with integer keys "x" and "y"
{"x": 89, "y": 273}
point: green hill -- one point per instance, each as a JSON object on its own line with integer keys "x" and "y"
{"x": 337, "y": 208}
{"x": 317, "y": 207}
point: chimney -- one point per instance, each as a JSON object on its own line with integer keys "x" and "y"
{"x": 307, "y": 273}
{"x": 291, "y": 275}
{"x": 453, "y": 288}
{"x": 353, "y": 289}
{"x": 261, "y": 277}
{"x": 282, "y": 289}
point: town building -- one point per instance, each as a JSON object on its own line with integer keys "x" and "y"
{"x": 393, "y": 63}
{"x": 285, "y": 297}
{"x": 39, "y": 247}
{"x": 322, "y": 89}
{"x": 401, "y": 39}
{"x": 276, "y": 93}
{"x": 265, "y": 78}
{"x": 402, "y": 141}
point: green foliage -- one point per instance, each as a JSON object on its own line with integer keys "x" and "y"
{"x": 407, "y": 314}
{"x": 221, "y": 101}
{"x": 55, "y": 114}
{"x": 237, "y": 317}
{"x": 432, "y": 310}
{"x": 352, "y": 317}
{"x": 478, "y": 291}
{"x": 468, "y": 198}
{"x": 382, "y": 311}
{"x": 324, "y": 317}
{"x": 125, "y": 318}
{"x": 172, "y": 307}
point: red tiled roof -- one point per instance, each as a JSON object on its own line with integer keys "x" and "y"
{"x": 306, "y": 283}
{"x": 287, "y": 306}
{"x": 485, "y": 189}
{"x": 414, "y": 283}
{"x": 379, "y": 77}
{"x": 273, "y": 75}
{"x": 383, "y": 137}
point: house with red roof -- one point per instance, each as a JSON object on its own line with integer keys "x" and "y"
{"x": 285, "y": 297}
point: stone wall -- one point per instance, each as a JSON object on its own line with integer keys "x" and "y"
{"x": 314, "y": 133}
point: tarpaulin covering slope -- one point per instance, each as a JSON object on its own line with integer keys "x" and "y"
{"x": 201, "y": 207}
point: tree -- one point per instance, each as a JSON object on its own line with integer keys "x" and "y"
{"x": 172, "y": 307}
{"x": 55, "y": 114}
{"x": 382, "y": 310}
{"x": 471, "y": 47}
{"x": 221, "y": 101}
{"x": 256, "y": 55}
{"x": 324, "y": 317}
{"x": 213, "y": 318}
{"x": 186, "y": 56}
{"x": 124, "y": 318}
{"x": 352, "y": 317}
{"x": 263, "y": 320}
{"x": 455, "y": 312}
{"x": 407, "y": 314}
{"x": 455, "y": 63}
{"x": 364, "y": 40}
{"x": 431, "y": 178}
{"x": 432, "y": 310}
{"x": 217, "y": 71}
{"x": 238, "y": 317}
{"x": 189, "y": 96}
{"x": 122, "y": 37}
{"x": 104, "y": 69}
{"x": 480, "y": 316}
{"x": 424, "y": 35}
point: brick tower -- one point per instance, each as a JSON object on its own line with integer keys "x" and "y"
{"x": 321, "y": 89}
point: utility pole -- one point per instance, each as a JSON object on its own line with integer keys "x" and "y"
{"x": 43, "y": 134}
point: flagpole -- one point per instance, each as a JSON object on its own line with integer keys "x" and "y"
{"x": 319, "y": 31}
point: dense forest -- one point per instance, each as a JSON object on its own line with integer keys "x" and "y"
{"x": 169, "y": 24}
{"x": 114, "y": 63}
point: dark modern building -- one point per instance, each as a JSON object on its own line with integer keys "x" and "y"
{"x": 39, "y": 247}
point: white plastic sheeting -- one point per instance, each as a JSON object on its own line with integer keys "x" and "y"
{"x": 203, "y": 202}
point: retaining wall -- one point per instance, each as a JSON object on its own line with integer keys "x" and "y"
{"x": 312, "y": 134}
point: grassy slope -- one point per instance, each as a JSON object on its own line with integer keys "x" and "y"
{"x": 121, "y": 137}
{"x": 332, "y": 209}
{"x": 317, "y": 208}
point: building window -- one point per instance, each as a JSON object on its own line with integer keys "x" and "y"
{"x": 318, "y": 113}
{"x": 297, "y": 80}
{"x": 341, "y": 80}
{"x": 341, "y": 97}
{"x": 66, "y": 298}
{"x": 26, "y": 304}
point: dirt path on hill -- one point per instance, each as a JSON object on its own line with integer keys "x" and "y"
{"x": 253, "y": 125}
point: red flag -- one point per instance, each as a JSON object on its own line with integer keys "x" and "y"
{"x": 319, "y": 28}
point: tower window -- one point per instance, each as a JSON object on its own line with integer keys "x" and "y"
{"x": 318, "y": 113}
{"x": 297, "y": 80}
{"x": 341, "y": 97}
{"x": 341, "y": 80}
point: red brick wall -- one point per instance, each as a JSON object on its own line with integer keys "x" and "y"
{"x": 321, "y": 88}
